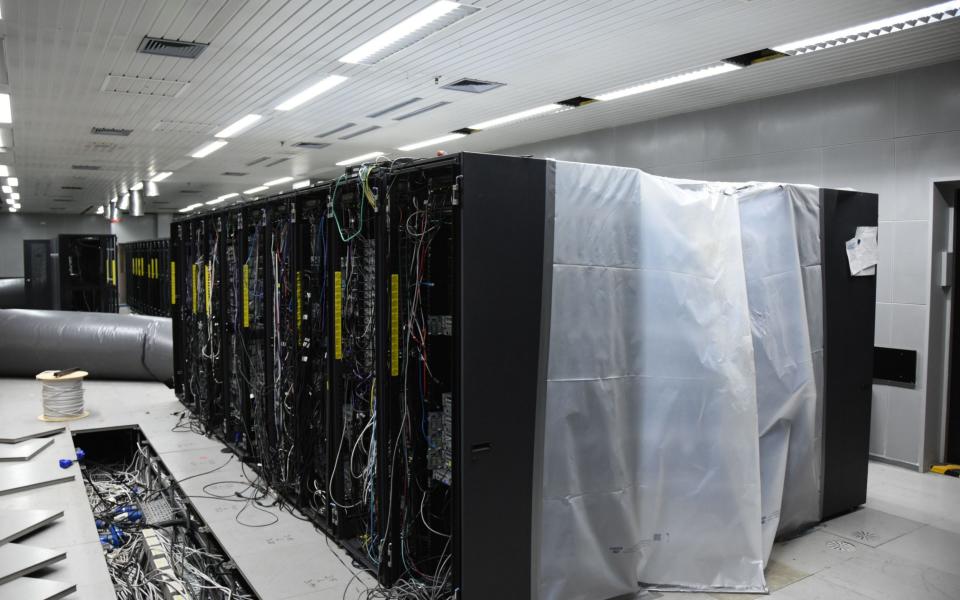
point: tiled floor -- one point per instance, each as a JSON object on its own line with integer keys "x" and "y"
{"x": 904, "y": 544}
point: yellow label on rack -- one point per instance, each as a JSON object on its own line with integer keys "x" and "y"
{"x": 173, "y": 282}
{"x": 394, "y": 325}
{"x": 208, "y": 290}
{"x": 299, "y": 309}
{"x": 337, "y": 315}
{"x": 196, "y": 280}
{"x": 246, "y": 295}
{"x": 113, "y": 265}
{"x": 108, "y": 270}
{"x": 156, "y": 268}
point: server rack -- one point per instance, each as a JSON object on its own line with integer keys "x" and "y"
{"x": 146, "y": 276}
{"x": 80, "y": 275}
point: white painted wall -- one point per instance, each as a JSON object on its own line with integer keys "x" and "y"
{"x": 891, "y": 135}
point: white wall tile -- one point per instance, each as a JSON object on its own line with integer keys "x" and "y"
{"x": 928, "y": 99}
{"x": 911, "y": 262}
{"x": 908, "y": 326}
{"x": 681, "y": 139}
{"x": 635, "y": 146}
{"x": 680, "y": 171}
{"x": 920, "y": 159}
{"x": 883, "y": 327}
{"x": 867, "y": 167}
{"x": 859, "y": 110}
{"x": 878, "y": 420}
{"x": 887, "y": 258}
{"x": 902, "y": 433}
{"x": 732, "y": 131}
{"x": 789, "y": 122}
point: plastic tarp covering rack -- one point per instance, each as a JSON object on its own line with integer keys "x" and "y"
{"x": 106, "y": 345}
{"x": 651, "y": 447}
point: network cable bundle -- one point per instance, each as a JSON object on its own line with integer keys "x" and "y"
{"x": 414, "y": 355}
{"x": 147, "y": 276}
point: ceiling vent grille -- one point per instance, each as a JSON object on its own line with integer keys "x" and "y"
{"x": 311, "y": 145}
{"x": 276, "y": 162}
{"x": 131, "y": 85}
{"x": 258, "y": 161}
{"x": 396, "y": 106}
{"x": 360, "y": 132}
{"x": 70, "y": 187}
{"x": 63, "y": 199}
{"x": 474, "y": 86}
{"x": 189, "y": 191}
{"x": 171, "y": 48}
{"x": 233, "y": 174}
{"x": 110, "y": 131}
{"x": 85, "y": 167}
{"x": 420, "y": 111}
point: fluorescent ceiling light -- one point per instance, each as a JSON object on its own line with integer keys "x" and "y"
{"x": 359, "y": 159}
{"x": 15, "y": 196}
{"x": 10, "y": 201}
{"x": 255, "y": 190}
{"x": 901, "y": 22}
{"x": 13, "y": 182}
{"x": 208, "y": 149}
{"x": 437, "y": 140}
{"x": 136, "y": 187}
{"x": 228, "y": 196}
{"x": 4, "y": 171}
{"x": 12, "y": 209}
{"x": 311, "y": 92}
{"x": 301, "y": 184}
{"x": 160, "y": 177}
{"x": 100, "y": 209}
{"x": 240, "y": 125}
{"x": 409, "y": 31}
{"x": 663, "y": 82}
{"x": 524, "y": 114}
{"x": 6, "y": 189}
{"x": 215, "y": 201}
{"x": 187, "y": 208}
{"x": 6, "y": 116}
{"x": 278, "y": 181}
{"x": 16, "y": 205}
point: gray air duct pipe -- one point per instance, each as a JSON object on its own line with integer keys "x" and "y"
{"x": 12, "y": 293}
{"x": 108, "y": 346}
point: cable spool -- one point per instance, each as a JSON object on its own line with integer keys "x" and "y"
{"x": 62, "y": 397}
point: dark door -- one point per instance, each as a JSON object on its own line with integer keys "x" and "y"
{"x": 38, "y": 284}
{"x": 953, "y": 406}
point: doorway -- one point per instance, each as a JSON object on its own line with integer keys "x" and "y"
{"x": 952, "y": 426}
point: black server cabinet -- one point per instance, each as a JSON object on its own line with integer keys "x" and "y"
{"x": 469, "y": 261}
{"x": 146, "y": 276}
{"x": 849, "y": 306}
{"x": 87, "y": 266}
{"x": 38, "y": 274}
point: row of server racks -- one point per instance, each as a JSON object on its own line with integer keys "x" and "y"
{"x": 372, "y": 345}
{"x": 76, "y": 272}
{"x": 147, "y": 276}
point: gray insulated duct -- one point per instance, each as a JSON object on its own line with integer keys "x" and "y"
{"x": 108, "y": 346}
{"x": 12, "y": 293}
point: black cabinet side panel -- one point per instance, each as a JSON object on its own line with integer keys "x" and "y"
{"x": 501, "y": 287}
{"x": 849, "y": 305}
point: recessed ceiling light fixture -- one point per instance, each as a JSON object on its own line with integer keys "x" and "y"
{"x": 409, "y": 31}
{"x": 12, "y": 209}
{"x": 100, "y": 210}
{"x": 228, "y": 196}
{"x": 901, "y": 22}
{"x": 256, "y": 190}
{"x": 6, "y": 189}
{"x": 10, "y": 201}
{"x": 160, "y": 177}
{"x": 215, "y": 201}
{"x": 519, "y": 116}
{"x": 664, "y": 82}
{"x": 301, "y": 184}
{"x": 4, "y": 171}
{"x": 15, "y": 196}
{"x": 241, "y": 124}
{"x": 6, "y": 116}
{"x": 278, "y": 181}
{"x": 208, "y": 149}
{"x": 191, "y": 207}
{"x": 16, "y": 205}
{"x": 13, "y": 182}
{"x": 311, "y": 92}
{"x": 359, "y": 159}
{"x": 437, "y": 140}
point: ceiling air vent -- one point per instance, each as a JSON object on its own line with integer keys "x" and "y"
{"x": 258, "y": 161}
{"x": 63, "y": 199}
{"x": 752, "y": 58}
{"x": 311, "y": 145}
{"x": 474, "y": 86}
{"x": 233, "y": 174}
{"x": 336, "y": 130}
{"x": 360, "y": 132}
{"x": 396, "y": 106}
{"x": 172, "y": 48}
{"x": 276, "y": 162}
{"x": 420, "y": 111}
{"x": 110, "y": 131}
{"x": 189, "y": 191}
{"x": 85, "y": 167}
{"x": 70, "y": 187}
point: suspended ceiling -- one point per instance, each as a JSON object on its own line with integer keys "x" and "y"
{"x": 59, "y": 55}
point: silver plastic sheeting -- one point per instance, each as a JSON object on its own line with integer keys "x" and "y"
{"x": 651, "y": 469}
{"x": 108, "y": 346}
